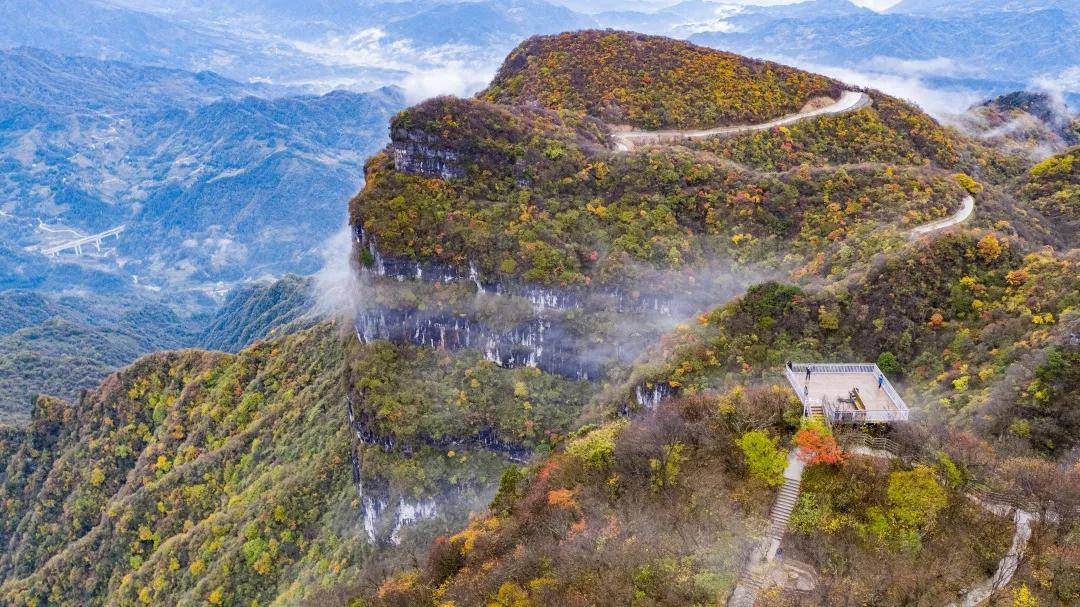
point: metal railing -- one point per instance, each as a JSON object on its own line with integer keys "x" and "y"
{"x": 835, "y": 414}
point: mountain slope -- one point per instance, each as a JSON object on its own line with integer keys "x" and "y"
{"x": 520, "y": 193}
{"x": 976, "y": 325}
{"x": 61, "y": 346}
{"x": 236, "y": 478}
{"x": 258, "y": 311}
{"x": 1022, "y": 122}
{"x": 647, "y": 499}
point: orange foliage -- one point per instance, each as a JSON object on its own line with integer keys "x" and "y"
{"x": 562, "y": 498}
{"x": 818, "y": 447}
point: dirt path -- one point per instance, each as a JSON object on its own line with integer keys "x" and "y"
{"x": 626, "y": 141}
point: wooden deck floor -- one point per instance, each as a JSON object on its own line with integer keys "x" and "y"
{"x": 832, "y": 386}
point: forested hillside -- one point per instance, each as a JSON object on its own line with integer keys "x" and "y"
{"x": 540, "y": 196}
{"x": 977, "y": 325}
{"x": 193, "y": 477}
{"x": 558, "y": 376}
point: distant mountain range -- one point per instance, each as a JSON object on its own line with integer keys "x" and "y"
{"x": 213, "y": 184}
{"x": 999, "y": 46}
{"x": 214, "y": 181}
{"x": 453, "y": 46}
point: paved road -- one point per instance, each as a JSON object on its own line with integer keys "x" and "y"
{"x": 958, "y": 217}
{"x": 626, "y": 141}
{"x": 1006, "y": 567}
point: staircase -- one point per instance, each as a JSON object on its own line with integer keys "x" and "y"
{"x": 817, "y": 412}
{"x": 753, "y": 576}
{"x": 782, "y": 508}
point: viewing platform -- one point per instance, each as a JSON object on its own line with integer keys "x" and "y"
{"x": 846, "y": 393}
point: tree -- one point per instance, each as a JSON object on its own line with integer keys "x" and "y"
{"x": 1022, "y": 597}
{"x": 818, "y": 445}
{"x": 888, "y": 363}
{"x": 990, "y": 248}
{"x": 665, "y": 469}
{"x": 596, "y": 449}
{"x": 764, "y": 459}
{"x": 511, "y": 595}
{"x": 915, "y": 497}
{"x": 969, "y": 184}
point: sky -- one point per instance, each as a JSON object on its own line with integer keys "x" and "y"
{"x": 594, "y": 6}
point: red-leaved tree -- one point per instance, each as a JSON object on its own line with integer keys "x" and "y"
{"x": 818, "y": 446}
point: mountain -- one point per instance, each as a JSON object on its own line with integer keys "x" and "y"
{"x": 210, "y": 478}
{"x": 1000, "y": 45}
{"x": 557, "y": 369}
{"x": 315, "y": 46}
{"x": 538, "y": 189}
{"x": 46, "y": 82}
{"x": 64, "y": 345}
{"x": 193, "y": 162}
{"x": 213, "y": 183}
{"x": 1039, "y": 124}
{"x": 638, "y": 92}
{"x": 487, "y": 150}
{"x": 487, "y": 23}
{"x": 976, "y": 7}
{"x": 257, "y": 311}
{"x": 113, "y": 31}
{"x": 621, "y": 493}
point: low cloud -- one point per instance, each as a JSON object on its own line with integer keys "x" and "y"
{"x": 1068, "y": 81}
{"x": 422, "y": 72}
{"x": 935, "y": 101}
{"x": 452, "y": 79}
{"x": 339, "y": 289}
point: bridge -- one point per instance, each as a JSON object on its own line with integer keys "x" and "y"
{"x": 77, "y": 244}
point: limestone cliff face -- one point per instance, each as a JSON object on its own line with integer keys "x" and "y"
{"x": 419, "y": 153}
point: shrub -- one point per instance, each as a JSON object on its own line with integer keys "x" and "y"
{"x": 915, "y": 497}
{"x": 597, "y": 448}
{"x": 763, "y": 458}
{"x": 818, "y": 444}
{"x": 973, "y": 187}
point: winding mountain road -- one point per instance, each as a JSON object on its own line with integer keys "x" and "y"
{"x": 960, "y": 216}
{"x": 849, "y": 101}
{"x": 626, "y": 141}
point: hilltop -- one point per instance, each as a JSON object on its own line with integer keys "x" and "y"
{"x": 650, "y": 81}
{"x": 523, "y": 185}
